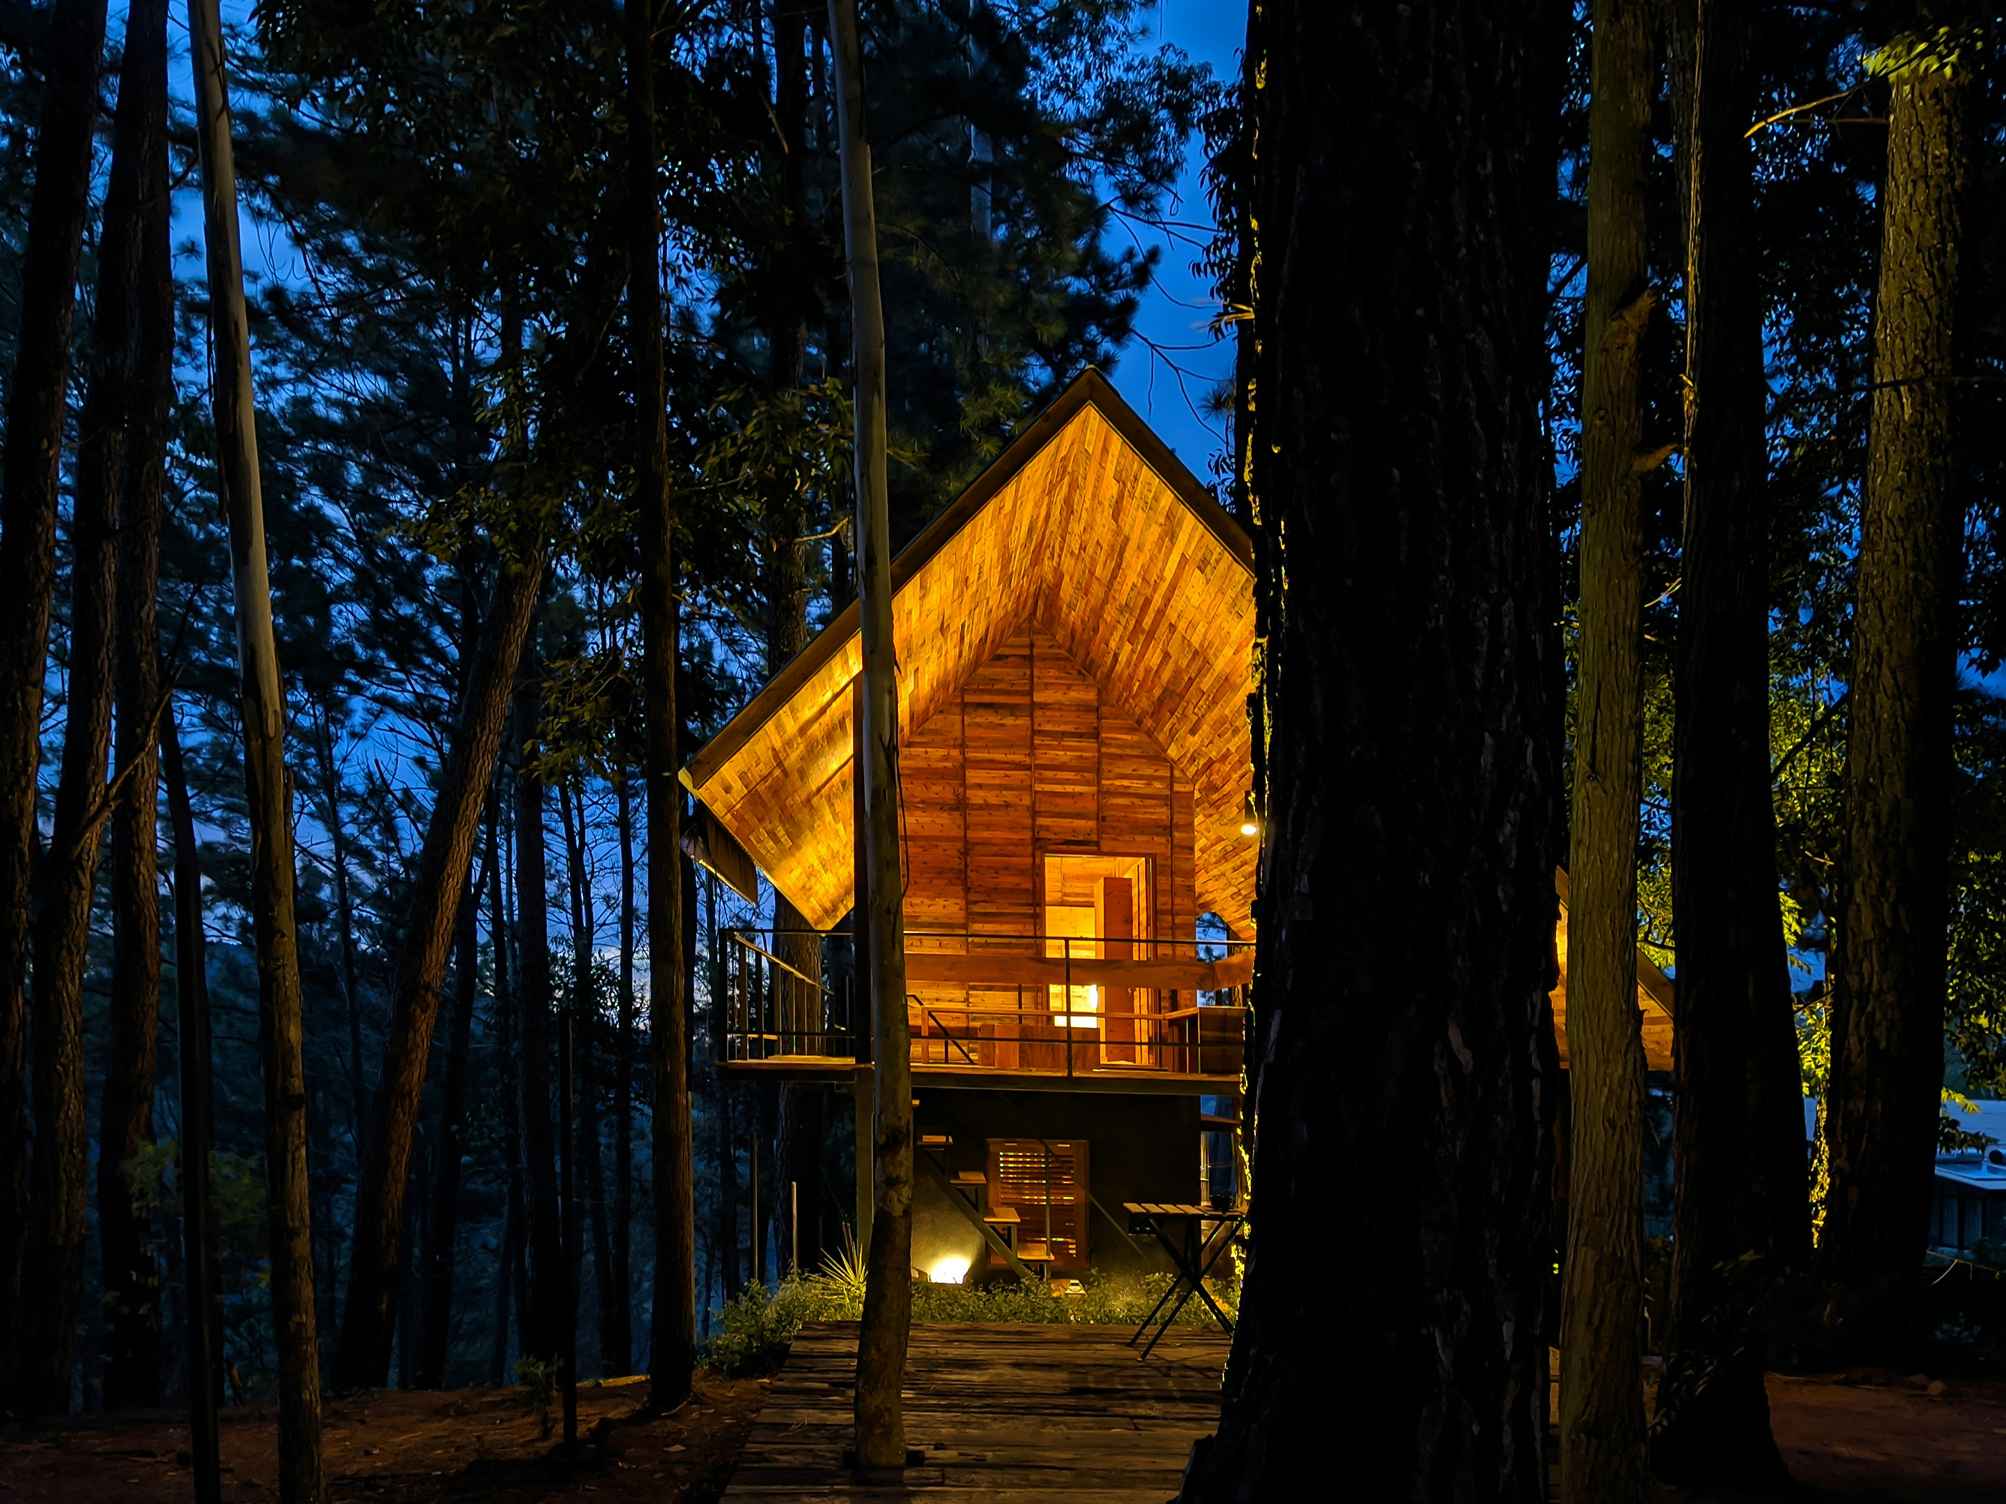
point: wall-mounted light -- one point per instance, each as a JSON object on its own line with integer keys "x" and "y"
{"x": 1249, "y": 824}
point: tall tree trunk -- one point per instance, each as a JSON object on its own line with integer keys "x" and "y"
{"x": 198, "y": 1116}
{"x": 119, "y": 456}
{"x": 443, "y": 863}
{"x": 131, "y": 1273}
{"x": 344, "y": 911}
{"x": 887, "y": 1317}
{"x": 508, "y": 1093}
{"x": 1740, "y": 1164}
{"x": 723, "y": 1146}
{"x": 584, "y": 930}
{"x": 672, "y": 1359}
{"x": 1406, "y": 910}
{"x": 542, "y": 1333}
{"x": 1602, "y": 1295}
{"x": 443, "y": 1225}
{"x": 620, "y": 1334}
{"x": 30, "y": 457}
{"x": 1887, "y": 1022}
{"x": 794, "y": 940}
{"x": 280, "y": 1013}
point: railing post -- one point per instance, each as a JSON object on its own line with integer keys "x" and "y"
{"x": 1068, "y": 1032}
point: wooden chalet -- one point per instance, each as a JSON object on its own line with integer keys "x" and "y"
{"x": 1075, "y": 654}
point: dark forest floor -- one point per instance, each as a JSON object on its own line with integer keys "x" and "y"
{"x": 1870, "y": 1439}
{"x": 392, "y": 1447}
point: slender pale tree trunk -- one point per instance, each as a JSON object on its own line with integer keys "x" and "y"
{"x": 198, "y": 1117}
{"x": 887, "y": 1320}
{"x": 31, "y": 457}
{"x": 1409, "y": 782}
{"x": 1741, "y": 1215}
{"x": 1602, "y": 1295}
{"x": 1887, "y": 1022}
{"x": 723, "y": 1146}
{"x": 131, "y": 1273}
{"x": 288, "y": 1218}
{"x": 672, "y": 1360}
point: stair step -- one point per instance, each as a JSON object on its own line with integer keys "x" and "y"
{"x": 1003, "y": 1216}
{"x": 1213, "y": 1122}
{"x": 935, "y": 1140}
{"x": 971, "y": 1177}
{"x": 1034, "y": 1253}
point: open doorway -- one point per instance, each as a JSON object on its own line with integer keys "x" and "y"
{"x": 1096, "y": 907}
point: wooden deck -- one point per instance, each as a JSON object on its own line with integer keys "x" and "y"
{"x": 1004, "y": 1414}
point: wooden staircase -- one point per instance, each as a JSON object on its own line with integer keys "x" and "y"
{"x": 968, "y": 1193}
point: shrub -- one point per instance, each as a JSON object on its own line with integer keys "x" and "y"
{"x": 756, "y": 1329}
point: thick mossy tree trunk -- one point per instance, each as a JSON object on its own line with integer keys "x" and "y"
{"x": 131, "y": 1272}
{"x": 29, "y": 460}
{"x": 1741, "y": 1216}
{"x": 1406, "y": 911}
{"x": 288, "y": 1221}
{"x": 542, "y": 1333}
{"x": 369, "y": 1314}
{"x": 887, "y": 1317}
{"x": 1602, "y": 1291}
{"x": 672, "y": 1358}
{"x": 1888, "y": 1001}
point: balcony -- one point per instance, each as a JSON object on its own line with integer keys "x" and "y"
{"x": 1045, "y": 1012}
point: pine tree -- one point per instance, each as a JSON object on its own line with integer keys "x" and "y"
{"x": 1602, "y": 1295}
{"x": 33, "y": 453}
{"x": 1887, "y": 1026}
{"x": 1408, "y": 783}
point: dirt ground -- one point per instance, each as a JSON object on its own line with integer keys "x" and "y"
{"x": 407, "y": 1448}
{"x": 1892, "y": 1440}
{"x": 1867, "y": 1439}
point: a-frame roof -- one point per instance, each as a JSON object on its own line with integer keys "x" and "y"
{"x": 1088, "y": 526}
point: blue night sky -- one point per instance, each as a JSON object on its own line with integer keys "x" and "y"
{"x": 1176, "y": 310}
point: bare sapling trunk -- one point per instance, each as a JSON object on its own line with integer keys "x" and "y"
{"x": 887, "y": 1321}
{"x": 31, "y": 457}
{"x": 672, "y": 1362}
{"x": 277, "y": 936}
{"x": 1602, "y": 1294}
{"x": 443, "y": 1224}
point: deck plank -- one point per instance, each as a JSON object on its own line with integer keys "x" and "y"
{"x": 1003, "y": 1414}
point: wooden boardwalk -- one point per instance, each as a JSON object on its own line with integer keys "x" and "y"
{"x": 1004, "y": 1414}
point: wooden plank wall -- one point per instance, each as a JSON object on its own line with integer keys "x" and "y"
{"x": 1027, "y": 759}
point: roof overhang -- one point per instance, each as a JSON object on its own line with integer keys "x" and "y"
{"x": 1088, "y": 526}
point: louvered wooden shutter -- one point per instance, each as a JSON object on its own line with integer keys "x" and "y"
{"x": 1045, "y": 1181}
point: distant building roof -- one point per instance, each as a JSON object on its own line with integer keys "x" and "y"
{"x": 1980, "y": 1169}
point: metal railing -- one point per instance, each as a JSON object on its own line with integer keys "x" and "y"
{"x": 1035, "y": 1004}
